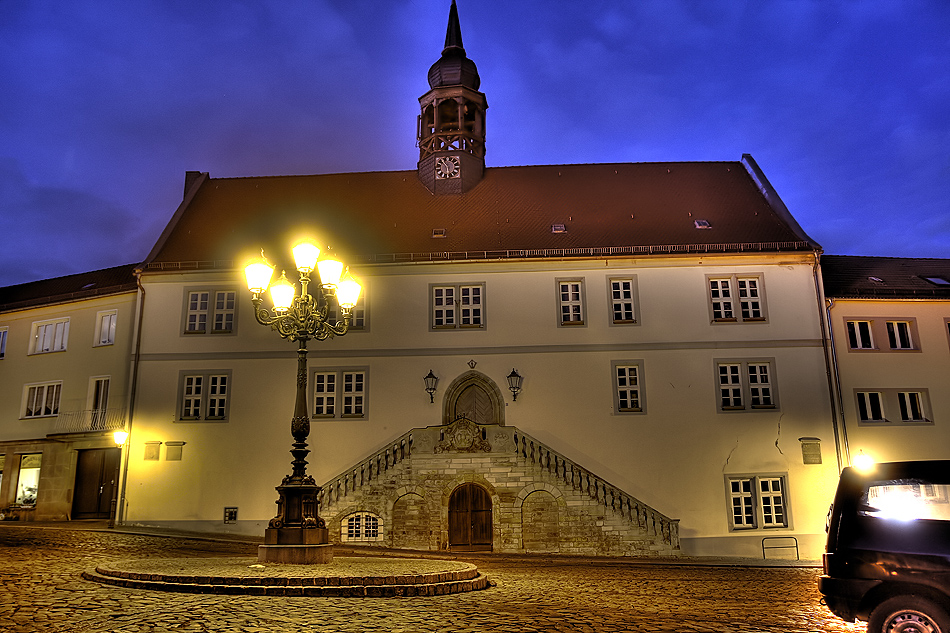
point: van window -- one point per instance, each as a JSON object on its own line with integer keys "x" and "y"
{"x": 906, "y": 500}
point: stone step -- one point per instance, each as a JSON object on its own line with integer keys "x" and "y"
{"x": 396, "y": 577}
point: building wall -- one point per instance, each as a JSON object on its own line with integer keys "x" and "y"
{"x": 674, "y": 456}
{"x": 923, "y": 368}
{"x": 59, "y": 437}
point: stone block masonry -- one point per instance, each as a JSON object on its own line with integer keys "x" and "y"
{"x": 539, "y": 501}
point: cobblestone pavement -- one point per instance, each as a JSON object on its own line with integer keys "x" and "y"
{"x": 41, "y": 590}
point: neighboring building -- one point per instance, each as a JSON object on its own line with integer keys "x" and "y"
{"x": 890, "y": 322}
{"x": 65, "y": 362}
{"x": 665, "y": 318}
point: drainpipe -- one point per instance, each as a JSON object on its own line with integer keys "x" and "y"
{"x": 133, "y": 389}
{"x": 831, "y": 367}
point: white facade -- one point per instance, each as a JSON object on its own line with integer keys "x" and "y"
{"x": 64, "y": 383}
{"x": 678, "y": 453}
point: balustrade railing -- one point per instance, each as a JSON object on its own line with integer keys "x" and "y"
{"x": 367, "y": 471}
{"x": 532, "y": 451}
{"x": 583, "y": 481}
{"x": 80, "y": 421}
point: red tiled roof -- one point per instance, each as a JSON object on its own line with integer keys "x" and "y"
{"x": 848, "y": 276}
{"x": 386, "y": 216}
{"x": 70, "y": 287}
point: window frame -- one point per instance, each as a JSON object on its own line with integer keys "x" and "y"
{"x": 360, "y": 518}
{"x": 892, "y": 409}
{"x": 735, "y": 298}
{"x": 457, "y": 308}
{"x": 34, "y": 336}
{"x": 880, "y": 332}
{"x": 342, "y": 408}
{"x": 25, "y": 398}
{"x": 761, "y": 503}
{"x": 616, "y": 387}
{"x": 745, "y": 386}
{"x": 580, "y": 302}
{"x": 634, "y": 300}
{"x": 896, "y": 336}
{"x": 19, "y": 478}
{"x": 4, "y": 332}
{"x": 211, "y": 312}
{"x": 101, "y": 317}
{"x": 205, "y": 396}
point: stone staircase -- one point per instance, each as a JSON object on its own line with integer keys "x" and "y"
{"x": 541, "y": 500}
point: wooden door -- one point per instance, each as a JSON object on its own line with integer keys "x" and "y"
{"x": 470, "y": 520}
{"x": 95, "y": 483}
{"x": 473, "y": 403}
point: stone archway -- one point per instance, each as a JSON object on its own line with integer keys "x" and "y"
{"x": 476, "y": 397}
{"x": 540, "y": 531}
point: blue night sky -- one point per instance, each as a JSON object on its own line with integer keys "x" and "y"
{"x": 105, "y": 104}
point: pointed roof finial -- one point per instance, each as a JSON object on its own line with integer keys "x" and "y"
{"x": 454, "y": 68}
{"x": 453, "y": 33}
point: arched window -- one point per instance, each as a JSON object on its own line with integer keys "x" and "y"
{"x": 361, "y": 526}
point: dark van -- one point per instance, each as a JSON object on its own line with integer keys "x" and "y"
{"x": 888, "y": 555}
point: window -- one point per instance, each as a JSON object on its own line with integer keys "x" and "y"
{"x": 204, "y": 395}
{"x": 461, "y": 306}
{"x": 49, "y": 336}
{"x": 623, "y": 301}
{"x": 41, "y": 400}
{"x": 859, "y": 335}
{"x": 99, "y": 402}
{"x": 736, "y": 298}
{"x": 571, "y": 301}
{"x": 757, "y": 501}
{"x": 3, "y": 341}
{"x": 911, "y": 406}
{"x": 215, "y": 307}
{"x": 28, "y": 481}
{"x": 361, "y": 526}
{"x": 898, "y": 335}
{"x": 105, "y": 328}
{"x": 628, "y": 377}
{"x": 870, "y": 406}
{"x": 904, "y": 405}
{"x": 746, "y": 385}
{"x": 866, "y": 334}
{"x": 339, "y": 393}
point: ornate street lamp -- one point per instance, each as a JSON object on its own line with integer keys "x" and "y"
{"x": 297, "y": 534}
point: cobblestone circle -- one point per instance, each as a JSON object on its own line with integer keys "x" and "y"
{"x": 41, "y": 590}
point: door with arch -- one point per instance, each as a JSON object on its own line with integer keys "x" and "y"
{"x": 475, "y": 404}
{"x": 470, "y": 518}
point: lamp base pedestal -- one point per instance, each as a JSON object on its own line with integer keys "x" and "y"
{"x": 296, "y": 554}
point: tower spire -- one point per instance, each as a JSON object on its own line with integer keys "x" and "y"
{"x": 451, "y": 128}
{"x": 453, "y": 34}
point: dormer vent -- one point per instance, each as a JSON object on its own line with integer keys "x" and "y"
{"x": 558, "y": 228}
{"x": 702, "y": 224}
{"x": 438, "y": 232}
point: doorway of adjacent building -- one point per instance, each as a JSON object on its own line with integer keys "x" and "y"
{"x": 470, "y": 521}
{"x": 95, "y": 483}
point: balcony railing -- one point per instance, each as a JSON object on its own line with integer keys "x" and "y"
{"x": 90, "y": 420}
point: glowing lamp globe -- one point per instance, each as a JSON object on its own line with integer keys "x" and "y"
{"x": 282, "y": 293}
{"x": 305, "y": 256}
{"x": 258, "y": 275}
{"x": 330, "y": 271}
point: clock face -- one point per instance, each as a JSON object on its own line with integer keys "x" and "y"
{"x": 447, "y": 167}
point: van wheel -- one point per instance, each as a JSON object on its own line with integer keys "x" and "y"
{"x": 908, "y": 614}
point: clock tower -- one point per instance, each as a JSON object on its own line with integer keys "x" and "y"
{"x": 451, "y": 127}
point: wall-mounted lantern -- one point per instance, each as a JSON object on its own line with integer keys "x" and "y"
{"x": 431, "y": 381}
{"x": 514, "y": 383}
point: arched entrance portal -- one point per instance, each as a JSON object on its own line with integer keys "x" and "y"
{"x": 470, "y": 522}
{"x": 476, "y": 397}
{"x": 475, "y": 404}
